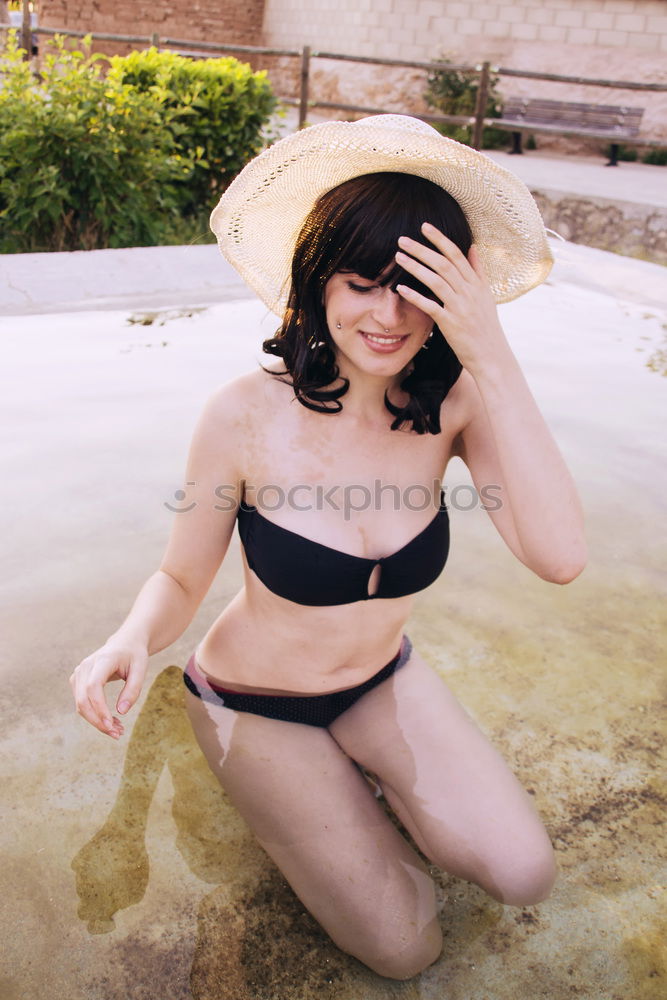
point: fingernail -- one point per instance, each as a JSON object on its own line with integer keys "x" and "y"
{"x": 107, "y": 722}
{"x": 123, "y": 706}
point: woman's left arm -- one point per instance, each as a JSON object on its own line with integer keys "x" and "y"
{"x": 504, "y": 439}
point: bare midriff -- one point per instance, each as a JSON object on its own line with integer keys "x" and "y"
{"x": 303, "y": 650}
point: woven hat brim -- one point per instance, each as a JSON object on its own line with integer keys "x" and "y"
{"x": 261, "y": 214}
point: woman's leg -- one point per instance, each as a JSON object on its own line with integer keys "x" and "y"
{"x": 449, "y": 787}
{"x": 316, "y": 816}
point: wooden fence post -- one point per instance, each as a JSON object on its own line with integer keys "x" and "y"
{"x": 26, "y": 31}
{"x": 303, "y": 94}
{"x": 480, "y": 105}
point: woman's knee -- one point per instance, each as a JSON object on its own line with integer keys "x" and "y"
{"x": 520, "y": 874}
{"x": 526, "y": 879}
{"x": 403, "y": 958}
{"x": 392, "y": 925}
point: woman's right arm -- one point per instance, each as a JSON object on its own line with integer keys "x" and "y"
{"x": 200, "y": 535}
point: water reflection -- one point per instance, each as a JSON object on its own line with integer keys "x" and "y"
{"x": 112, "y": 868}
{"x": 254, "y": 939}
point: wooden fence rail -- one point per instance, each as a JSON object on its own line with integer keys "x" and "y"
{"x": 305, "y": 55}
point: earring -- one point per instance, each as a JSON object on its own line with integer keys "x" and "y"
{"x": 425, "y": 345}
{"x": 313, "y": 344}
{"x": 338, "y": 326}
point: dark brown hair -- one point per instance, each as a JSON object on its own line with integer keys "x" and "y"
{"x": 355, "y": 227}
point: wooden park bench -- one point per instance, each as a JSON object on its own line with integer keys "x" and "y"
{"x": 597, "y": 121}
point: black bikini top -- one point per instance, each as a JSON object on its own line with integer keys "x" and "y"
{"x": 310, "y": 573}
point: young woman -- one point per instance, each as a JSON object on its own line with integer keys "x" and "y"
{"x": 386, "y": 248}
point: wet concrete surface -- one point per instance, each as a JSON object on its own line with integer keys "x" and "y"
{"x": 126, "y": 873}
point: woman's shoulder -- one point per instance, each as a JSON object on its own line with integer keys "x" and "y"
{"x": 247, "y": 394}
{"x": 247, "y": 388}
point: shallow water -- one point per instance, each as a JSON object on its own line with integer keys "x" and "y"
{"x": 126, "y": 872}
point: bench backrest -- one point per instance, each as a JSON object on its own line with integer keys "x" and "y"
{"x": 572, "y": 113}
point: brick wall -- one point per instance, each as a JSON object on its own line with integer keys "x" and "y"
{"x": 231, "y": 21}
{"x": 611, "y": 39}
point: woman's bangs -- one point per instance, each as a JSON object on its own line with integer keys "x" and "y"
{"x": 371, "y": 252}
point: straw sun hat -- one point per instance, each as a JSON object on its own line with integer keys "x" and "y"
{"x": 260, "y": 215}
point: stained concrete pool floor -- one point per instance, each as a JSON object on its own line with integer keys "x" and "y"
{"x": 126, "y": 873}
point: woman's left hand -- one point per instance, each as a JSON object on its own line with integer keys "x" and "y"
{"x": 466, "y": 311}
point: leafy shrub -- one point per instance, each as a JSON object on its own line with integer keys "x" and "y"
{"x": 88, "y": 161}
{"x": 453, "y": 92}
{"x": 658, "y": 157}
{"x": 84, "y": 162}
{"x": 217, "y": 111}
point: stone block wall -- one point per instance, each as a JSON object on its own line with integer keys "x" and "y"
{"x": 610, "y": 39}
{"x": 409, "y": 29}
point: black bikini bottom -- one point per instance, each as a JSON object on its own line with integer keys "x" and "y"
{"x": 311, "y": 710}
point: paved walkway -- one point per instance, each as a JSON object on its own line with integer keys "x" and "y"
{"x": 589, "y": 176}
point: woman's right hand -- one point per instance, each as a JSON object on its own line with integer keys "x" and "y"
{"x": 117, "y": 659}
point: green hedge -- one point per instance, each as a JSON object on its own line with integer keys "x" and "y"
{"x": 217, "y": 111}
{"x": 90, "y": 161}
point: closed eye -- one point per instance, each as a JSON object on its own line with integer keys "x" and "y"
{"x": 361, "y": 289}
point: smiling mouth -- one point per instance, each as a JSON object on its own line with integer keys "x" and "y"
{"x": 383, "y": 341}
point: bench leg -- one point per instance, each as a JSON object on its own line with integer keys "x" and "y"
{"x": 516, "y": 144}
{"x": 613, "y": 160}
